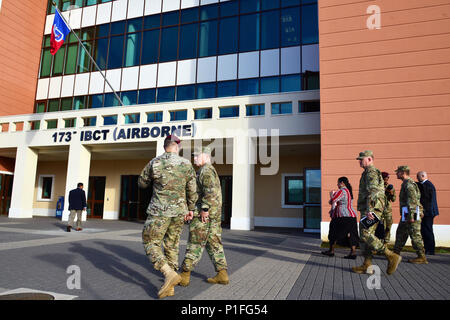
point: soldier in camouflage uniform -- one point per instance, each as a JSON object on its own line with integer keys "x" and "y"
{"x": 205, "y": 229}
{"x": 371, "y": 201}
{"x": 390, "y": 197}
{"x": 412, "y": 214}
{"x": 174, "y": 194}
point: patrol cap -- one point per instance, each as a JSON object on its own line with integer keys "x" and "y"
{"x": 364, "y": 154}
{"x": 173, "y": 138}
{"x": 384, "y": 174}
{"x": 402, "y": 168}
{"x": 206, "y": 150}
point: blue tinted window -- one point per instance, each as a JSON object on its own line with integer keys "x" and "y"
{"x": 111, "y": 100}
{"x": 189, "y": 15}
{"x": 116, "y": 52}
{"x": 101, "y": 51}
{"x": 154, "y": 117}
{"x": 188, "y": 41}
{"x": 102, "y": 30}
{"x": 281, "y": 108}
{"x": 153, "y": 21}
{"x": 203, "y": 114}
{"x": 110, "y": 120}
{"x": 290, "y": 83}
{"x": 132, "y": 118}
{"x": 249, "y": 33}
{"x": 118, "y": 27}
{"x": 255, "y": 110}
{"x": 248, "y": 6}
{"x": 129, "y": 98}
{"x": 79, "y": 103}
{"x": 166, "y": 94}
{"x": 209, "y": 12}
{"x": 270, "y": 85}
{"x": 179, "y": 115}
{"x": 228, "y": 35}
{"x": 309, "y": 1}
{"x": 206, "y": 90}
{"x": 290, "y": 27}
{"x": 286, "y": 3}
{"x": 132, "y": 49}
{"x": 170, "y": 18}
{"x": 95, "y": 101}
{"x": 147, "y": 96}
{"x": 310, "y": 28}
{"x": 169, "y": 40}
{"x": 228, "y": 112}
{"x": 134, "y": 25}
{"x": 208, "y": 39}
{"x": 90, "y": 122}
{"x": 270, "y": 4}
{"x": 186, "y": 92}
{"x": 270, "y": 29}
{"x": 227, "y": 88}
{"x": 248, "y": 86}
{"x": 150, "y": 47}
{"x": 229, "y": 8}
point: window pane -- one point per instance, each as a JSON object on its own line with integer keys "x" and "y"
{"x": 83, "y": 58}
{"x": 79, "y": 103}
{"x": 270, "y": 85}
{"x": 312, "y": 80}
{"x": 110, "y": 120}
{"x": 129, "y": 98}
{"x": 186, "y": 92}
{"x": 294, "y": 191}
{"x": 47, "y": 187}
{"x": 46, "y": 63}
{"x": 40, "y": 107}
{"x": 310, "y": 28}
{"x": 66, "y": 104}
{"x": 102, "y": 30}
{"x": 170, "y": 18}
{"x": 169, "y": 40}
{"x": 111, "y": 100}
{"x": 189, "y": 15}
{"x": 313, "y": 217}
{"x": 90, "y": 122}
{"x": 134, "y": 25}
{"x": 47, "y": 41}
{"x": 290, "y": 83}
{"x": 255, "y": 110}
{"x": 270, "y": 4}
{"x": 203, "y": 114}
{"x": 132, "y": 49}
{"x": 101, "y": 51}
{"x": 290, "y": 27}
{"x": 154, "y": 117}
{"x": 286, "y": 3}
{"x": 248, "y": 6}
{"x": 281, "y": 108}
{"x": 71, "y": 59}
{"x": 88, "y": 34}
{"x": 188, "y": 41}
{"x": 52, "y": 124}
{"x": 150, "y": 47}
{"x": 208, "y": 39}
{"x": 179, "y": 115}
{"x": 166, "y": 94}
{"x": 118, "y": 27}
{"x": 270, "y": 29}
{"x": 248, "y": 86}
{"x": 153, "y": 21}
{"x": 206, "y": 90}
{"x": 147, "y": 96}
{"x": 116, "y": 53}
{"x": 132, "y": 118}
{"x": 228, "y": 35}
{"x": 209, "y": 12}
{"x": 95, "y": 101}
{"x": 229, "y": 8}
{"x": 65, "y": 4}
{"x": 227, "y": 88}
{"x": 53, "y": 105}
{"x": 229, "y": 112}
{"x": 313, "y": 185}
{"x": 249, "y": 33}
{"x": 309, "y": 106}
{"x": 58, "y": 61}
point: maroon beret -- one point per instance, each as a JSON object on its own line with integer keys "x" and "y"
{"x": 173, "y": 138}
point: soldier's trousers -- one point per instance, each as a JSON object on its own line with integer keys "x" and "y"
{"x": 205, "y": 235}
{"x": 369, "y": 242}
{"x": 387, "y": 221}
{"x": 165, "y": 231}
{"x": 406, "y": 229}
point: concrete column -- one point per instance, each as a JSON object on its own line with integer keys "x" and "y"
{"x": 78, "y": 168}
{"x": 24, "y": 181}
{"x": 244, "y": 155}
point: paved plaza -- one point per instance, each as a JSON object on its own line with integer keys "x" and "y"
{"x": 264, "y": 264}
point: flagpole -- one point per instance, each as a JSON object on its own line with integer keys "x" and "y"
{"x": 92, "y": 59}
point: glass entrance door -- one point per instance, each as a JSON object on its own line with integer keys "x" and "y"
{"x": 133, "y": 200}
{"x": 312, "y": 207}
{"x": 226, "y": 186}
{"x": 96, "y": 197}
{"x": 6, "y": 182}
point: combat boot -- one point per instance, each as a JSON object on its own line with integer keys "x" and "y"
{"x": 185, "y": 278}
{"x": 221, "y": 277}
{"x": 365, "y": 268}
{"x": 171, "y": 280}
{"x": 419, "y": 260}
{"x": 393, "y": 261}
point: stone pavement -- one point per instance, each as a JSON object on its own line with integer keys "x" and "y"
{"x": 265, "y": 264}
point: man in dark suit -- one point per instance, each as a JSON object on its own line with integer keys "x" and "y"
{"x": 430, "y": 209}
{"x": 77, "y": 203}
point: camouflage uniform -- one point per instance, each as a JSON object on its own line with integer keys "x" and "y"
{"x": 174, "y": 194}
{"x": 371, "y": 198}
{"x": 410, "y": 198}
{"x": 207, "y": 234}
{"x": 387, "y": 217}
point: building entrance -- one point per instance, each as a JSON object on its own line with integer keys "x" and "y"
{"x": 96, "y": 197}
{"x": 6, "y": 182}
{"x": 133, "y": 200}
